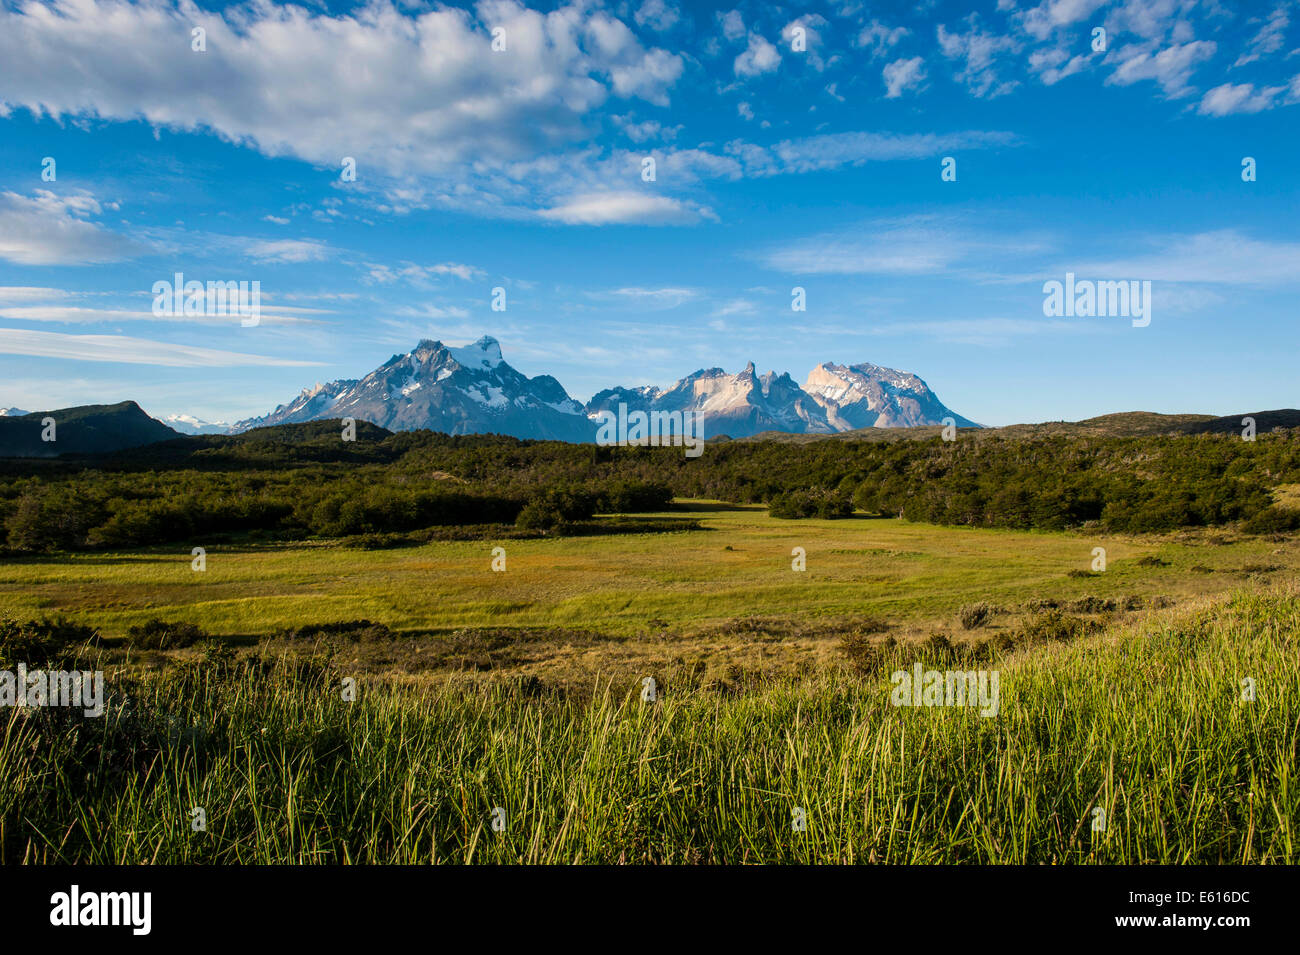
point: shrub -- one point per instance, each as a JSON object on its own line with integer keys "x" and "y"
{"x": 867, "y": 657}
{"x": 814, "y": 502}
{"x": 974, "y": 615}
{"x": 1052, "y": 626}
{"x": 162, "y": 635}
{"x": 357, "y": 631}
{"x": 47, "y": 643}
{"x": 633, "y": 497}
{"x": 1093, "y": 604}
{"x": 1272, "y": 520}
{"x": 539, "y": 516}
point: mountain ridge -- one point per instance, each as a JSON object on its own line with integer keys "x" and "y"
{"x": 473, "y": 390}
{"x": 84, "y": 429}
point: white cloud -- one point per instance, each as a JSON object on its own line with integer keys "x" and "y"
{"x": 74, "y": 314}
{"x": 835, "y": 150}
{"x": 1223, "y": 257}
{"x": 745, "y": 110}
{"x": 1238, "y": 98}
{"x": 652, "y": 297}
{"x": 429, "y": 310}
{"x": 80, "y": 315}
{"x": 10, "y": 294}
{"x": 879, "y": 39}
{"x": 647, "y": 130}
{"x": 733, "y": 24}
{"x": 902, "y": 75}
{"x": 737, "y": 306}
{"x": 47, "y": 229}
{"x": 120, "y": 348}
{"x": 615, "y": 208}
{"x": 759, "y": 57}
{"x": 409, "y": 271}
{"x": 914, "y": 245}
{"x": 1152, "y": 20}
{"x": 288, "y": 250}
{"x": 1269, "y": 39}
{"x": 978, "y": 51}
{"x": 811, "y": 24}
{"x": 421, "y": 92}
{"x": 657, "y": 14}
{"x": 1054, "y": 65}
{"x": 1050, "y": 15}
{"x": 1171, "y": 67}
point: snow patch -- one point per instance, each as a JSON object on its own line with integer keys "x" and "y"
{"x": 484, "y": 353}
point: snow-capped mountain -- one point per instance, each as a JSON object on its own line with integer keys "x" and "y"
{"x": 869, "y": 396}
{"x": 12, "y": 412}
{"x": 736, "y": 405}
{"x": 473, "y": 390}
{"x": 312, "y": 403}
{"x": 470, "y": 390}
{"x": 188, "y": 424}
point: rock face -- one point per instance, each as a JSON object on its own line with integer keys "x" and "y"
{"x": 735, "y": 405}
{"x": 469, "y": 390}
{"x": 473, "y": 390}
{"x": 869, "y": 396}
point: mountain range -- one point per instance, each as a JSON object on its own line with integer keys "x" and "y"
{"x": 94, "y": 430}
{"x": 473, "y": 390}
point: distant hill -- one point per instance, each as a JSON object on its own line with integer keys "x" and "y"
{"x": 89, "y": 429}
{"x": 1265, "y": 421}
{"x": 1128, "y": 424}
{"x": 123, "y": 430}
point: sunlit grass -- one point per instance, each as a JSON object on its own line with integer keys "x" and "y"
{"x": 1148, "y": 724}
{"x": 739, "y": 566}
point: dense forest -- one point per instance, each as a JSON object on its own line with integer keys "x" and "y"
{"x": 303, "y": 481}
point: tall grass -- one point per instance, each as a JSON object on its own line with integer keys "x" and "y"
{"x": 1146, "y": 723}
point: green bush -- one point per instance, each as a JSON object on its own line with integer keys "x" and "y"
{"x": 162, "y": 635}
{"x": 1272, "y": 520}
{"x": 356, "y": 631}
{"x": 50, "y": 643}
{"x": 812, "y": 502}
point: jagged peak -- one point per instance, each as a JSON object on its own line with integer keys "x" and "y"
{"x": 484, "y": 353}
{"x": 471, "y": 386}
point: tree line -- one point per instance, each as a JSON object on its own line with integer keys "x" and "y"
{"x": 302, "y": 481}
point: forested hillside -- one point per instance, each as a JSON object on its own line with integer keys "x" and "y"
{"x": 302, "y": 481}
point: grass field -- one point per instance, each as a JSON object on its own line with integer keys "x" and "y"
{"x": 725, "y": 596}
{"x": 1146, "y": 723}
{"x": 518, "y": 691}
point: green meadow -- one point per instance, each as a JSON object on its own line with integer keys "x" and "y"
{"x": 515, "y": 696}
{"x": 738, "y": 566}
{"x": 1145, "y": 729}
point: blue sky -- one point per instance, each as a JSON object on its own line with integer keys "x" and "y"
{"x": 775, "y": 167}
